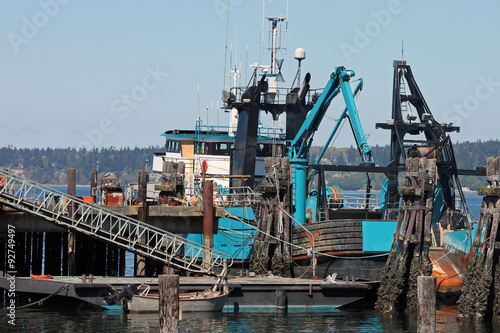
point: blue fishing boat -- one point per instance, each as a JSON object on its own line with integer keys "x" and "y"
{"x": 330, "y": 232}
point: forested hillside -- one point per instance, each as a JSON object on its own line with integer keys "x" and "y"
{"x": 468, "y": 156}
{"x": 49, "y": 165}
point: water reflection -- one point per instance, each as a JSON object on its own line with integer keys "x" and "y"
{"x": 56, "y": 319}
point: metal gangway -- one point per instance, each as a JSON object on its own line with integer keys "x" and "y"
{"x": 103, "y": 224}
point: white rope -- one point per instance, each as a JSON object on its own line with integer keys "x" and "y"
{"x": 303, "y": 248}
{"x": 466, "y": 239}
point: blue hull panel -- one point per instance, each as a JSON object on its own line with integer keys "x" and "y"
{"x": 378, "y": 235}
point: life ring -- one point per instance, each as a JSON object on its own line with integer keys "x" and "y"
{"x": 204, "y": 166}
{"x": 2, "y": 181}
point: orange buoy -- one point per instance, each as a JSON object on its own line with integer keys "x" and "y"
{"x": 47, "y": 276}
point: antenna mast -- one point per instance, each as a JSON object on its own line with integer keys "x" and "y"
{"x": 402, "y": 51}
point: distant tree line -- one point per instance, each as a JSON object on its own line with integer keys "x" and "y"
{"x": 49, "y": 166}
{"x": 467, "y": 154}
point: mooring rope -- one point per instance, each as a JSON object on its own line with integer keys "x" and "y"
{"x": 302, "y": 248}
{"x": 40, "y": 302}
{"x": 454, "y": 248}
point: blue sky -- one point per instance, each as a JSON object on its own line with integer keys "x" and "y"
{"x": 67, "y": 67}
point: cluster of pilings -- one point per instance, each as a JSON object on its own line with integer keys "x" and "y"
{"x": 145, "y": 266}
{"x": 172, "y": 183}
{"x": 480, "y": 298}
{"x": 272, "y": 252}
{"x": 47, "y": 253}
{"x": 409, "y": 256}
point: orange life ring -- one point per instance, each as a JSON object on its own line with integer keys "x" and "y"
{"x": 2, "y": 180}
{"x": 204, "y": 166}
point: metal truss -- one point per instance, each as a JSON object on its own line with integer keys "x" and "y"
{"x": 103, "y": 224}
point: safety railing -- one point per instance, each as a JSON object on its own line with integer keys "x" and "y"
{"x": 97, "y": 221}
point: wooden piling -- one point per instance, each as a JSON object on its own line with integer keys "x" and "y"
{"x": 20, "y": 253}
{"x": 121, "y": 255}
{"x": 281, "y": 300}
{"x": 36, "y": 261}
{"x": 410, "y": 247}
{"x": 53, "y": 245}
{"x": 100, "y": 258}
{"x": 71, "y": 234}
{"x": 93, "y": 185}
{"x": 169, "y": 303}
{"x": 84, "y": 255}
{"x": 426, "y": 309}
{"x": 142, "y": 213}
{"x": 65, "y": 253}
{"x": 29, "y": 252}
{"x": 480, "y": 297}
{"x": 112, "y": 261}
{"x": 208, "y": 220}
{"x": 270, "y": 253}
{"x": 71, "y": 253}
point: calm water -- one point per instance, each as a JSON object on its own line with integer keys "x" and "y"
{"x": 60, "y": 319}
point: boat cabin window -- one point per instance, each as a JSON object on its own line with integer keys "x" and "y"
{"x": 221, "y": 148}
{"x": 267, "y": 150}
{"x": 173, "y": 146}
{"x": 201, "y": 148}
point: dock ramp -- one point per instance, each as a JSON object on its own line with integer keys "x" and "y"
{"x": 108, "y": 226}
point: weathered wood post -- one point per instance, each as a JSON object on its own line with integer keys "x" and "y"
{"x": 426, "y": 309}
{"x": 20, "y": 238}
{"x": 28, "y": 258}
{"x": 409, "y": 256}
{"x": 93, "y": 185}
{"x": 71, "y": 234}
{"x": 37, "y": 253}
{"x": 281, "y": 300}
{"x": 208, "y": 220}
{"x": 480, "y": 297}
{"x": 271, "y": 251}
{"x": 122, "y": 262}
{"x": 169, "y": 303}
{"x": 142, "y": 213}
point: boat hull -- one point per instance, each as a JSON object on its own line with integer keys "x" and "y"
{"x": 188, "y": 303}
{"x": 358, "y": 249}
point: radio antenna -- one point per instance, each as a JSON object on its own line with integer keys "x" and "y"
{"x": 402, "y": 50}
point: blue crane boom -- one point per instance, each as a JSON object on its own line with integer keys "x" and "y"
{"x": 300, "y": 145}
{"x": 366, "y": 157}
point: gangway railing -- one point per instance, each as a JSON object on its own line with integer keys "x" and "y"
{"x": 101, "y": 223}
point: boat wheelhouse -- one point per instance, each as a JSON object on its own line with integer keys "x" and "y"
{"x": 214, "y": 146}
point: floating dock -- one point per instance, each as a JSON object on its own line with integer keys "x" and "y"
{"x": 247, "y": 293}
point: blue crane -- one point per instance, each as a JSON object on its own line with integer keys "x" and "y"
{"x": 300, "y": 145}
